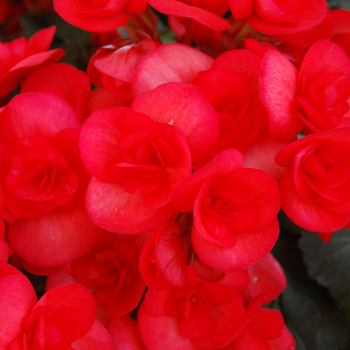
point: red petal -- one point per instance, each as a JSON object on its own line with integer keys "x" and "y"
{"x": 74, "y": 301}
{"x": 71, "y": 12}
{"x": 178, "y": 8}
{"x": 125, "y": 334}
{"x": 36, "y": 114}
{"x": 17, "y": 299}
{"x": 278, "y": 88}
{"x": 193, "y": 117}
{"x": 250, "y": 248}
{"x": 325, "y": 236}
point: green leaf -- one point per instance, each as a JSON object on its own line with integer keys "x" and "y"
{"x": 329, "y": 264}
{"x": 309, "y": 312}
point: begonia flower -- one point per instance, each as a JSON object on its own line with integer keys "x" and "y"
{"x": 98, "y": 16}
{"x": 283, "y": 17}
{"x": 235, "y": 212}
{"x": 44, "y": 180}
{"x": 168, "y": 252}
{"x": 315, "y": 188}
{"x": 20, "y": 57}
{"x": 145, "y": 159}
{"x": 63, "y": 80}
{"x": 206, "y": 12}
{"x": 313, "y": 99}
{"x": 203, "y": 315}
{"x": 139, "y": 156}
{"x": 110, "y": 271}
{"x": 64, "y": 318}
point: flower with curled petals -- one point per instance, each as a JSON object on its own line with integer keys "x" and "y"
{"x": 235, "y": 212}
{"x": 44, "y": 180}
{"x": 315, "y": 187}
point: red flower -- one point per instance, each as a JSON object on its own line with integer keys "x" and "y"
{"x": 64, "y": 318}
{"x": 315, "y": 98}
{"x": 234, "y": 209}
{"x": 315, "y": 189}
{"x": 44, "y": 180}
{"x": 139, "y": 156}
{"x": 110, "y": 272}
{"x": 203, "y": 315}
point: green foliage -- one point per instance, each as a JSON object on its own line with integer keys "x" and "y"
{"x": 329, "y": 264}
{"x": 309, "y": 312}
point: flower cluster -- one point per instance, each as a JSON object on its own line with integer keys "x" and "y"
{"x": 157, "y": 192}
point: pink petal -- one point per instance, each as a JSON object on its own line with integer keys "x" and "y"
{"x": 97, "y": 338}
{"x": 278, "y": 88}
{"x": 54, "y": 240}
{"x": 168, "y": 63}
{"x": 111, "y": 208}
{"x": 35, "y": 114}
